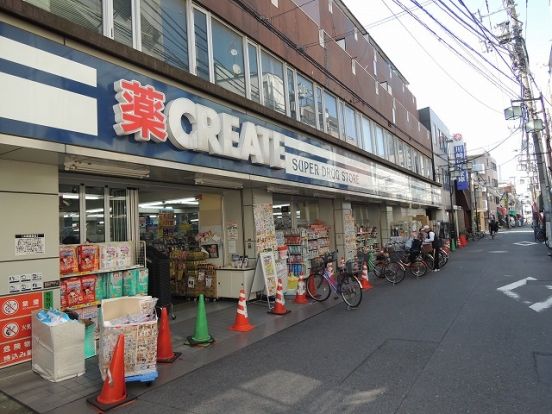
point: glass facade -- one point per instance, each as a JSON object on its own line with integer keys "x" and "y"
{"x": 163, "y": 31}
{"x": 228, "y": 58}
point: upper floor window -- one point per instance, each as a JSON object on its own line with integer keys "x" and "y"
{"x": 380, "y": 142}
{"x": 350, "y": 125}
{"x": 253, "y": 73}
{"x": 87, "y": 13}
{"x": 306, "y": 100}
{"x": 330, "y": 105}
{"x": 201, "y": 45}
{"x": 367, "y": 135}
{"x": 319, "y": 108}
{"x": 273, "y": 82}
{"x": 228, "y": 58}
{"x": 291, "y": 93}
{"x": 167, "y": 42}
{"x": 122, "y": 23}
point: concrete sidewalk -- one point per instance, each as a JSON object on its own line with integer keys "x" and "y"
{"x": 30, "y": 391}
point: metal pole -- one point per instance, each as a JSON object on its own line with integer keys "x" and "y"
{"x": 519, "y": 56}
{"x": 451, "y": 189}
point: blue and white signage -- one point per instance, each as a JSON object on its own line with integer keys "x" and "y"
{"x": 66, "y": 96}
{"x": 462, "y": 180}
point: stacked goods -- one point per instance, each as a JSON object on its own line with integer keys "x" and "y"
{"x": 135, "y": 282}
{"x": 114, "y": 284}
{"x": 88, "y": 257}
{"x": 108, "y": 256}
{"x": 68, "y": 260}
{"x": 195, "y": 286}
{"x": 207, "y": 280}
{"x": 177, "y": 267}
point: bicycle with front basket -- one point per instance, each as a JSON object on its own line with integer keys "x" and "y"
{"x": 323, "y": 280}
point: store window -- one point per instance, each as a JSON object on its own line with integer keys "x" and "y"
{"x": 367, "y": 135}
{"x": 253, "y": 73}
{"x": 306, "y": 212}
{"x": 87, "y": 13}
{"x": 122, "y": 21}
{"x": 228, "y": 58}
{"x": 330, "y": 107}
{"x": 291, "y": 93}
{"x": 306, "y": 101}
{"x": 201, "y": 44}
{"x": 341, "y": 118}
{"x": 400, "y": 153}
{"x": 164, "y": 31}
{"x": 95, "y": 214}
{"x": 281, "y": 210}
{"x": 118, "y": 214}
{"x": 69, "y": 214}
{"x": 166, "y": 221}
{"x": 273, "y": 82}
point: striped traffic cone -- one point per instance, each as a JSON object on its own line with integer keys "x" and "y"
{"x": 365, "y": 282}
{"x": 241, "y": 324}
{"x": 301, "y": 293}
{"x": 280, "y": 303}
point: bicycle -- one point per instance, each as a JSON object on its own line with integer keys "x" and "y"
{"x": 375, "y": 261}
{"x": 397, "y": 268}
{"x": 321, "y": 282}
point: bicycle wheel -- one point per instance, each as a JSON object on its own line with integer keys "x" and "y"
{"x": 318, "y": 287}
{"x": 379, "y": 270}
{"x": 443, "y": 259}
{"x": 548, "y": 243}
{"x": 394, "y": 273}
{"x": 418, "y": 268}
{"x": 351, "y": 292}
{"x": 429, "y": 261}
{"x": 540, "y": 236}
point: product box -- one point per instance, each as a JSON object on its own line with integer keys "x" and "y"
{"x": 58, "y": 351}
{"x": 101, "y": 286}
{"x": 114, "y": 283}
{"x": 130, "y": 282}
{"x": 108, "y": 256}
{"x": 88, "y": 284}
{"x": 124, "y": 255}
{"x": 143, "y": 280}
{"x": 63, "y": 294}
{"x": 68, "y": 260}
{"x": 73, "y": 291}
{"x": 88, "y": 257}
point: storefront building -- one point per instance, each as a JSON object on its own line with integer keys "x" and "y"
{"x": 191, "y": 131}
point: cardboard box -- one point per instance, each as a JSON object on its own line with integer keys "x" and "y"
{"x": 58, "y": 351}
{"x": 140, "y": 338}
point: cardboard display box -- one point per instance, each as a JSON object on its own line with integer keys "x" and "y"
{"x": 58, "y": 351}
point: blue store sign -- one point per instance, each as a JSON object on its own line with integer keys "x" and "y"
{"x": 62, "y": 95}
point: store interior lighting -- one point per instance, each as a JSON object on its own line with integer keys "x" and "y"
{"x": 102, "y": 167}
{"x": 215, "y": 182}
{"x": 283, "y": 190}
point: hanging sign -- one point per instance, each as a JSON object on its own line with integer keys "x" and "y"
{"x": 462, "y": 182}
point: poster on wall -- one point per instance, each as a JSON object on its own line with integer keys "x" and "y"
{"x": 349, "y": 231}
{"x": 264, "y": 226}
{"x": 29, "y": 244}
{"x": 15, "y": 326}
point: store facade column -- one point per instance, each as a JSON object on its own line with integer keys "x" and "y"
{"x": 345, "y": 231}
{"x": 385, "y": 224}
{"x": 252, "y": 197}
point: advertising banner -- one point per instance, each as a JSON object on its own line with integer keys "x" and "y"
{"x": 460, "y": 160}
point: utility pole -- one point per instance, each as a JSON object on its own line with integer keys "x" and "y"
{"x": 518, "y": 54}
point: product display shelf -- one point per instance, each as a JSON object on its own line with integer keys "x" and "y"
{"x": 93, "y": 272}
{"x": 297, "y": 262}
{"x": 82, "y": 305}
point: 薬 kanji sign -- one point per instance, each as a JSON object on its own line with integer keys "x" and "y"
{"x": 140, "y": 111}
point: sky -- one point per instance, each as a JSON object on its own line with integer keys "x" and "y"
{"x": 462, "y": 98}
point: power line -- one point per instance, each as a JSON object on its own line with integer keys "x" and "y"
{"x": 496, "y": 83}
{"x": 439, "y": 65}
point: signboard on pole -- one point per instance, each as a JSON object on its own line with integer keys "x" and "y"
{"x": 462, "y": 182}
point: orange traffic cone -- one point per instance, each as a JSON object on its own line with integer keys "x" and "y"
{"x": 241, "y": 323}
{"x": 301, "y": 293}
{"x": 365, "y": 282}
{"x": 113, "y": 391}
{"x": 165, "y": 352}
{"x": 280, "y": 303}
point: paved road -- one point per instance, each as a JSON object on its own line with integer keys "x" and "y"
{"x": 465, "y": 340}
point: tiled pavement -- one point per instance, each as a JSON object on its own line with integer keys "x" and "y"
{"x": 21, "y": 384}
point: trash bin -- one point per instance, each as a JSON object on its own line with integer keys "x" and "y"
{"x": 159, "y": 284}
